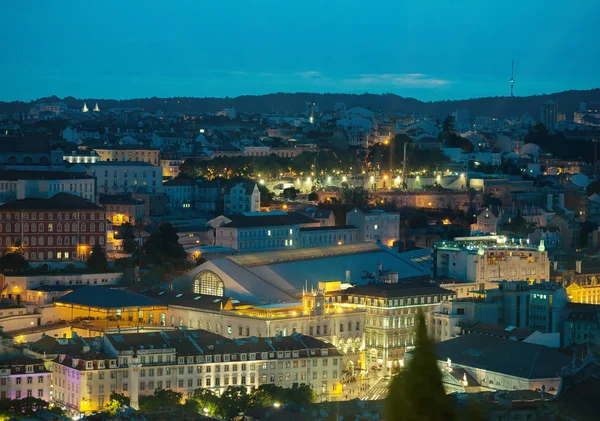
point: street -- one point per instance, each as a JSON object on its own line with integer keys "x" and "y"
{"x": 378, "y": 391}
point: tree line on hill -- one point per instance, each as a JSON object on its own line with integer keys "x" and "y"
{"x": 499, "y": 107}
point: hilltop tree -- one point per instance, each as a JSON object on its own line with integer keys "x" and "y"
{"x": 417, "y": 392}
{"x": 163, "y": 246}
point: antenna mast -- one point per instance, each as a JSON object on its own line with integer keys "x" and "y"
{"x": 512, "y": 79}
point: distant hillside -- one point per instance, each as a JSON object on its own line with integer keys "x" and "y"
{"x": 498, "y": 107}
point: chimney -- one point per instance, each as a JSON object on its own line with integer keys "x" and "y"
{"x": 348, "y": 277}
{"x": 380, "y": 267}
{"x": 555, "y": 264}
{"x": 393, "y": 277}
{"x": 578, "y": 266}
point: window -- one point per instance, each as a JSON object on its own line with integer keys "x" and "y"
{"x": 208, "y": 283}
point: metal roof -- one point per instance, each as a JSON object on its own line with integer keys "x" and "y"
{"x": 108, "y": 298}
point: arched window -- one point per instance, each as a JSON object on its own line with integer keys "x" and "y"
{"x": 83, "y": 226}
{"x": 74, "y": 240}
{"x": 59, "y": 227}
{"x": 12, "y": 160}
{"x": 82, "y": 240}
{"x": 17, "y": 227}
{"x": 172, "y": 320}
{"x": 8, "y": 228}
{"x": 101, "y": 241}
{"x": 44, "y": 160}
{"x": 101, "y": 227}
{"x": 26, "y": 227}
{"x": 34, "y": 227}
{"x": 41, "y": 241}
{"x": 50, "y": 241}
{"x": 93, "y": 227}
{"x": 0, "y": 241}
{"x": 41, "y": 227}
{"x": 67, "y": 227}
{"x": 181, "y": 321}
{"x": 92, "y": 241}
{"x": 208, "y": 283}
{"x": 33, "y": 241}
{"x": 67, "y": 241}
{"x": 7, "y": 241}
{"x": 59, "y": 241}
{"x": 191, "y": 324}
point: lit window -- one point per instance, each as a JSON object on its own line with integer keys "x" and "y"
{"x": 208, "y": 283}
{"x": 376, "y": 226}
{"x": 291, "y": 231}
{"x": 269, "y": 233}
{"x": 58, "y": 255}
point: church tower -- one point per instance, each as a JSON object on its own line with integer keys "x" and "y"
{"x": 96, "y": 108}
{"x": 85, "y": 108}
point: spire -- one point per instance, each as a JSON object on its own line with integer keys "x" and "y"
{"x": 96, "y": 108}
{"x": 542, "y": 247}
{"x": 85, "y": 108}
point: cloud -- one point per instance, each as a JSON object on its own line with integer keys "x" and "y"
{"x": 238, "y": 73}
{"x": 413, "y": 80}
{"x": 310, "y": 74}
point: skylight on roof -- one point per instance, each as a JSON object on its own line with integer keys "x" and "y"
{"x": 161, "y": 293}
{"x": 119, "y": 338}
{"x": 217, "y": 300}
{"x": 179, "y": 296}
{"x": 197, "y": 297}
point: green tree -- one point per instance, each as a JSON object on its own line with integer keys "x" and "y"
{"x": 355, "y": 197}
{"x": 163, "y": 246}
{"x": 313, "y": 197}
{"x": 451, "y": 138}
{"x": 127, "y": 234}
{"x": 266, "y": 196}
{"x": 233, "y": 401}
{"x": 417, "y": 392}
{"x": 97, "y": 260}
{"x": 160, "y": 400}
{"x": 490, "y": 200}
{"x": 13, "y": 262}
{"x": 593, "y": 187}
{"x": 116, "y": 401}
{"x": 418, "y": 220}
{"x": 206, "y": 399}
{"x": 290, "y": 193}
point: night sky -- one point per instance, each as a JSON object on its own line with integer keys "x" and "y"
{"x": 427, "y": 49}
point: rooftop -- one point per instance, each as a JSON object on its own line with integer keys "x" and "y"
{"x": 120, "y": 164}
{"x": 60, "y": 201}
{"x": 268, "y": 219}
{"x": 108, "y": 298}
{"x": 328, "y": 228}
{"x": 119, "y": 199}
{"x": 396, "y": 290}
{"x": 15, "y": 175}
{"x": 499, "y": 355}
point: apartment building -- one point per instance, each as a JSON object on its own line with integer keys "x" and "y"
{"x": 375, "y": 225}
{"x": 126, "y": 177}
{"x": 122, "y": 208}
{"x": 131, "y": 153}
{"x": 137, "y": 364}
{"x": 16, "y": 184}
{"x": 391, "y": 314}
{"x": 24, "y": 377}
{"x": 490, "y": 258}
{"x": 263, "y": 231}
{"x": 64, "y": 227}
{"x": 241, "y": 197}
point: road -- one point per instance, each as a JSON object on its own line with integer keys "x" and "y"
{"x": 378, "y": 391}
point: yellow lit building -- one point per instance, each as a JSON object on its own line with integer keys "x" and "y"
{"x": 585, "y": 294}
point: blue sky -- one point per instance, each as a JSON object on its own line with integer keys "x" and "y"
{"x": 426, "y": 49}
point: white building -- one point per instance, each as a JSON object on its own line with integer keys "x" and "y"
{"x": 491, "y": 258}
{"x": 241, "y": 197}
{"x": 494, "y": 363}
{"x": 16, "y": 185}
{"x": 328, "y": 236}
{"x": 23, "y": 377}
{"x": 375, "y": 225}
{"x": 126, "y": 177}
{"x": 137, "y": 364}
{"x": 249, "y": 232}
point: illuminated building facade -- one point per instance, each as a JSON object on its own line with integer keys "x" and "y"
{"x": 63, "y": 227}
